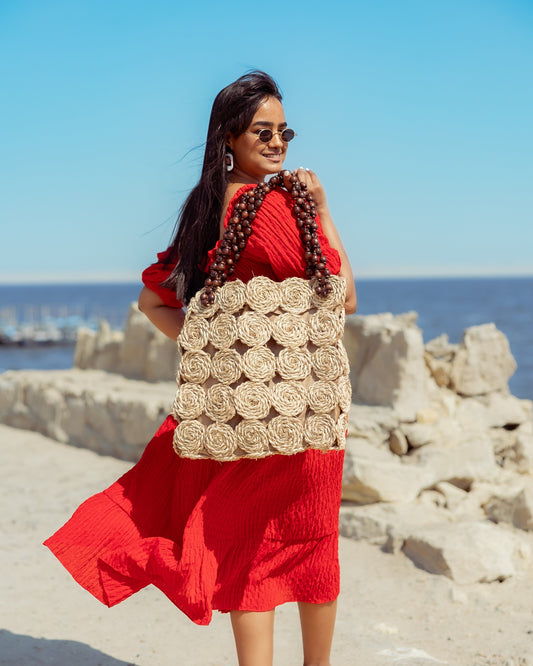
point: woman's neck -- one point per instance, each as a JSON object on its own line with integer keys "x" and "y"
{"x": 238, "y": 177}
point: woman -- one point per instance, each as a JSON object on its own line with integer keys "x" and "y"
{"x": 241, "y": 536}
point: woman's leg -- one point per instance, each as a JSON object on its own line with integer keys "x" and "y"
{"x": 254, "y": 637}
{"x": 318, "y": 622}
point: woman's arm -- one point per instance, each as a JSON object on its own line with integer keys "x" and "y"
{"x": 315, "y": 188}
{"x": 167, "y": 319}
{"x": 333, "y": 237}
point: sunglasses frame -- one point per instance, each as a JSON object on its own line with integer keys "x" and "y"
{"x": 258, "y": 133}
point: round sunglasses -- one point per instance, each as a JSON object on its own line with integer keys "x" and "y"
{"x": 266, "y": 135}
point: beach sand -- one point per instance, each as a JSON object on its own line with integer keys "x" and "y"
{"x": 390, "y": 612}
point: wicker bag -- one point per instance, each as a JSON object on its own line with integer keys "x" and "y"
{"x": 263, "y": 371}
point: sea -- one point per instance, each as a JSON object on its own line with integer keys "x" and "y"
{"x": 444, "y": 305}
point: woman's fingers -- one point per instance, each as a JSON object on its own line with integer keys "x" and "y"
{"x": 310, "y": 178}
{"x": 304, "y": 176}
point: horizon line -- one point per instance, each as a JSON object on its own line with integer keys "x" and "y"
{"x": 377, "y": 274}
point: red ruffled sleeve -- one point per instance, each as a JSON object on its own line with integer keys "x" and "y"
{"x": 157, "y": 273}
{"x": 275, "y": 248}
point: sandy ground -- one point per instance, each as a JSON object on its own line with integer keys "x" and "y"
{"x": 390, "y": 612}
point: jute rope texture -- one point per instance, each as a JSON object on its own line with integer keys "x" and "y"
{"x": 263, "y": 371}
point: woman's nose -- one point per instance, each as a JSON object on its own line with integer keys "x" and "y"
{"x": 276, "y": 140}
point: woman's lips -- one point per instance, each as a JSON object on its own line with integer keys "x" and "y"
{"x": 273, "y": 157}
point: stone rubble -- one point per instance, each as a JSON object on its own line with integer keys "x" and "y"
{"x": 93, "y": 409}
{"x": 439, "y": 454}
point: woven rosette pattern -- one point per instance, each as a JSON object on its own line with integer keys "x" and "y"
{"x": 263, "y": 371}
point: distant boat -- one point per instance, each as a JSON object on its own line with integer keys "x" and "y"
{"x": 42, "y": 333}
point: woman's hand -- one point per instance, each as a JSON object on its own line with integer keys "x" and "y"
{"x": 314, "y": 186}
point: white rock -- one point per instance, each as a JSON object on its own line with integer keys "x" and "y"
{"x": 523, "y": 453}
{"x": 398, "y": 442}
{"x": 495, "y": 410}
{"x": 370, "y": 422}
{"x": 440, "y": 432}
{"x": 441, "y": 401}
{"x": 381, "y": 522}
{"x": 483, "y": 362}
{"x": 432, "y": 497}
{"x": 439, "y": 354}
{"x": 137, "y": 336}
{"x": 91, "y": 408}
{"x": 505, "y": 410}
{"x": 10, "y": 391}
{"x": 466, "y": 552}
{"x": 386, "y": 360}
{"x": 428, "y": 415}
{"x": 140, "y": 352}
{"x": 461, "y": 461}
{"x": 471, "y": 414}
{"x": 465, "y": 504}
{"x": 84, "y": 350}
{"x": 373, "y": 475}
{"x": 453, "y": 496}
{"x": 161, "y": 359}
{"x": 513, "y": 449}
{"x": 516, "y": 509}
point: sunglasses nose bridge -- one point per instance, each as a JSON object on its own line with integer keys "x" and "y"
{"x": 276, "y": 139}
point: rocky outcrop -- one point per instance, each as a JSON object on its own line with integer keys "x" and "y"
{"x": 140, "y": 352}
{"x": 439, "y": 454}
{"x": 387, "y": 362}
{"x": 467, "y": 552}
{"x": 442, "y": 469}
{"x": 482, "y": 363}
{"x": 89, "y": 408}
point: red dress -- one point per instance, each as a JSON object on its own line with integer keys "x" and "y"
{"x": 240, "y": 535}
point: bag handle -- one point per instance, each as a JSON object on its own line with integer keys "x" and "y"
{"x": 239, "y": 229}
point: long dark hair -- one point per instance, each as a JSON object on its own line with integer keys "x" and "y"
{"x": 198, "y": 224}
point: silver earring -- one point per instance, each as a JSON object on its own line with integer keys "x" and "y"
{"x": 229, "y": 161}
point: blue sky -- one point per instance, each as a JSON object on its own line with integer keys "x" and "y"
{"x": 416, "y": 114}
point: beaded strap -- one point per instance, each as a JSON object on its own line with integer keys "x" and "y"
{"x": 239, "y": 229}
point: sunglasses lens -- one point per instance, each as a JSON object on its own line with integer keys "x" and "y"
{"x": 288, "y": 135}
{"x": 265, "y": 135}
